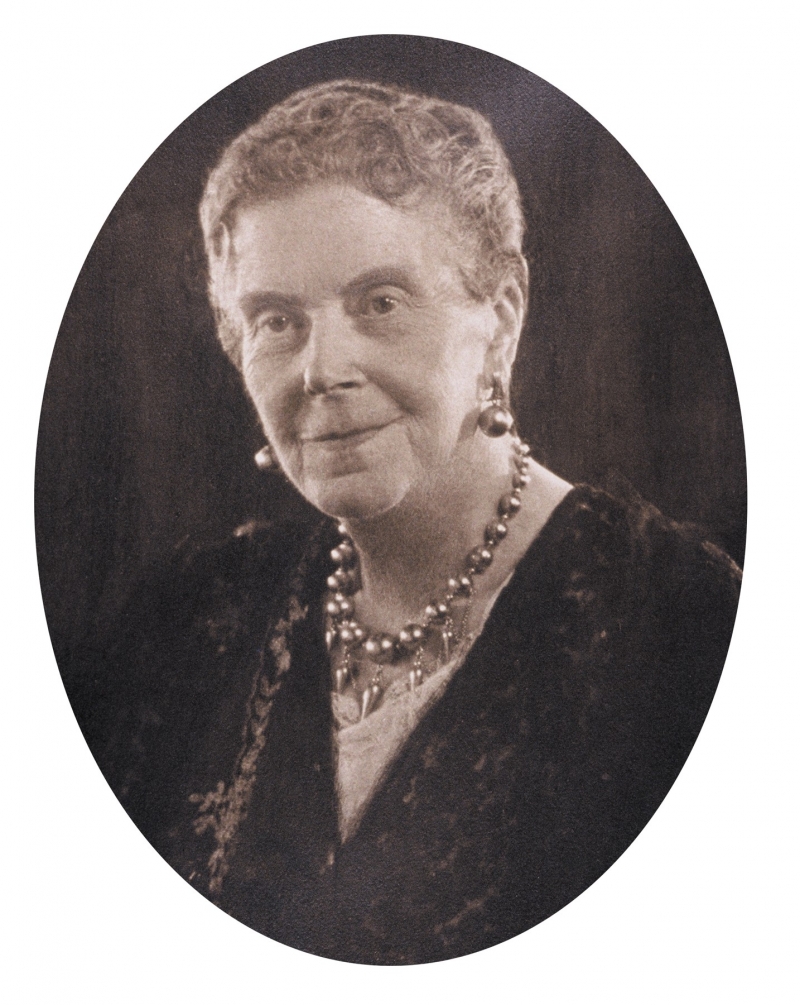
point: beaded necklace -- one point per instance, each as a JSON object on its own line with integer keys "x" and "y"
{"x": 436, "y": 622}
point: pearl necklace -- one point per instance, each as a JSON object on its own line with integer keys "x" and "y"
{"x": 381, "y": 647}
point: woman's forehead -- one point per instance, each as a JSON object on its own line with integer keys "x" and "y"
{"x": 327, "y": 235}
{"x": 336, "y": 206}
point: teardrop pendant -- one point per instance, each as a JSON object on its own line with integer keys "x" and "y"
{"x": 369, "y": 698}
{"x": 446, "y": 636}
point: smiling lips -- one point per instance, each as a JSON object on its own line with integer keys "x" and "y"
{"x": 347, "y": 437}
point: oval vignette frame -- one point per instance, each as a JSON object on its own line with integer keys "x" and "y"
{"x": 137, "y": 350}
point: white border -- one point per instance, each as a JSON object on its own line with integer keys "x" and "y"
{"x": 698, "y": 910}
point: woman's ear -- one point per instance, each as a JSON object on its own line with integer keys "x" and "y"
{"x": 510, "y": 304}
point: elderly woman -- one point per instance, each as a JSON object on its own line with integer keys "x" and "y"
{"x": 434, "y": 719}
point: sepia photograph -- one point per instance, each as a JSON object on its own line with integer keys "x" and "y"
{"x": 390, "y": 500}
{"x": 378, "y": 389}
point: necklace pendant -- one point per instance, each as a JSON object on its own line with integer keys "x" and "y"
{"x": 447, "y": 635}
{"x": 341, "y": 679}
{"x": 369, "y": 698}
{"x": 414, "y": 678}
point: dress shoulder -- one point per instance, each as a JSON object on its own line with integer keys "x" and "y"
{"x": 641, "y": 610}
{"x": 618, "y": 587}
{"x": 628, "y": 546}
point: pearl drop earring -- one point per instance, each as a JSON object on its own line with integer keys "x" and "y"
{"x": 496, "y": 418}
{"x": 264, "y": 459}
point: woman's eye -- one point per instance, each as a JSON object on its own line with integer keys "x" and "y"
{"x": 278, "y": 323}
{"x": 382, "y": 304}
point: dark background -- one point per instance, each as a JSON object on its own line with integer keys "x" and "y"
{"x": 146, "y": 438}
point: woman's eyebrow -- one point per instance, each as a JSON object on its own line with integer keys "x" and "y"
{"x": 382, "y": 276}
{"x": 252, "y": 303}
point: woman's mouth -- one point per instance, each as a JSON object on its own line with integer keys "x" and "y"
{"x": 347, "y": 437}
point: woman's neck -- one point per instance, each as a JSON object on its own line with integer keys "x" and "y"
{"x": 407, "y": 554}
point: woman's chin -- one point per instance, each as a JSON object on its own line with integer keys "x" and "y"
{"x": 356, "y": 497}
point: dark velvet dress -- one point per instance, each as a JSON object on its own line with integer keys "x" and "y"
{"x": 550, "y": 750}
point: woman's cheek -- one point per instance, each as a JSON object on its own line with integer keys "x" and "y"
{"x": 269, "y": 387}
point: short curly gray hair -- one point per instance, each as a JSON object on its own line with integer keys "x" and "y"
{"x": 386, "y": 142}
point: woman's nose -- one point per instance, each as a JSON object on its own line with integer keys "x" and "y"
{"x": 331, "y": 350}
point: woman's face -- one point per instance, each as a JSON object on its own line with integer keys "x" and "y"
{"x": 365, "y": 356}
